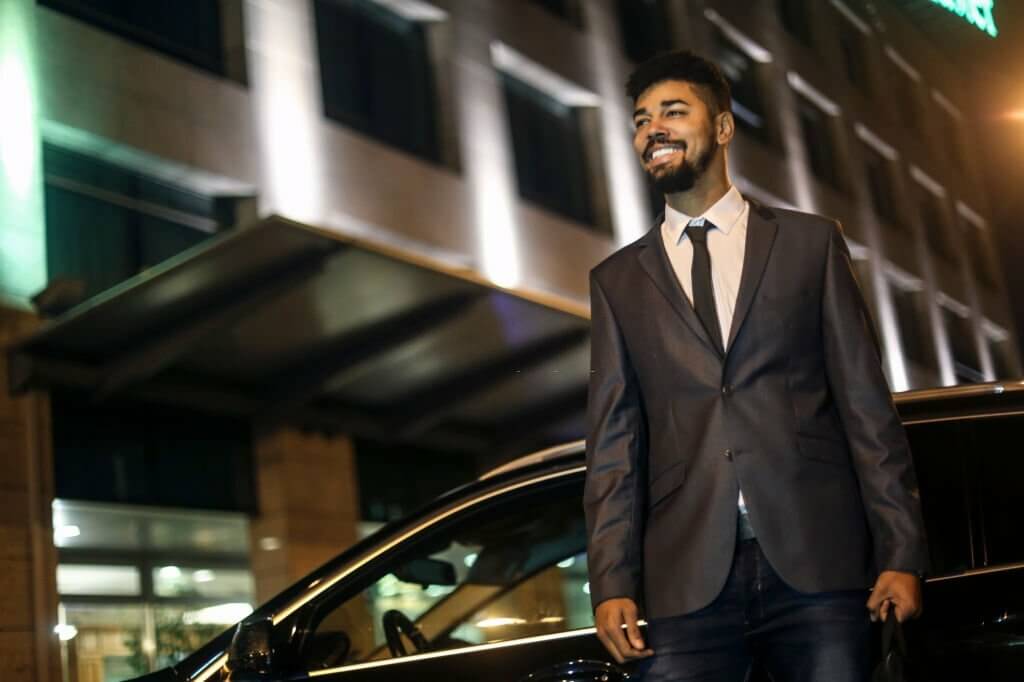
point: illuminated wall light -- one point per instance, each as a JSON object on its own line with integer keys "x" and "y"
{"x": 586, "y": 588}
{"x": 68, "y": 531}
{"x": 269, "y": 543}
{"x": 203, "y": 575}
{"x": 22, "y": 226}
{"x": 169, "y": 572}
{"x": 567, "y": 563}
{"x": 65, "y": 632}
{"x": 469, "y": 560}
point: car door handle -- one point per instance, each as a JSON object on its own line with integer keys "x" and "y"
{"x": 579, "y": 671}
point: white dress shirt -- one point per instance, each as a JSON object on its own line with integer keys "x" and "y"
{"x": 726, "y": 245}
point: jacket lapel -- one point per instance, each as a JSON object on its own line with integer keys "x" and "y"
{"x": 655, "y": 262}
{"x": 760, "y": 237}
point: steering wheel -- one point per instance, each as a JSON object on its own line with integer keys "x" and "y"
{"x": 397, "y": 624}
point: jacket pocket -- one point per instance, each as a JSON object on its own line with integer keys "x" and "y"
{"x": 666, "y": 482}
{"x": 823, "y": 448}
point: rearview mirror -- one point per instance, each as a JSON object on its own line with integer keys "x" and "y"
{"x": 427, "y": 572}
{"x": 250, "y": 657}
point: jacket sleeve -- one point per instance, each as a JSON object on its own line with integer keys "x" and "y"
{"x": 615, "y": 483}
{"x": 878, "y": 444}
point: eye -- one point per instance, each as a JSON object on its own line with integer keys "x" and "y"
{"x": 640, "y": 123}
{"x": 673, "y": 113}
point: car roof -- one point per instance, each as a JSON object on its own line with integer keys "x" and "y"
{"x": 918, "y": 406}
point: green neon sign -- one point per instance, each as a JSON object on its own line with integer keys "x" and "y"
{"x": 976, "y": 12}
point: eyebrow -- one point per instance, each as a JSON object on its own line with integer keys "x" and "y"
{"x": 664, "y": 105}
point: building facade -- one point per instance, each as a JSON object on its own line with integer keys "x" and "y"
{"x": 487, "y": 138}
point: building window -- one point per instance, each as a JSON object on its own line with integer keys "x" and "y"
{"x": 140, "y": 588}
{"x": 193, "y": 31}
{"x": 966, "y": 365}
{"x": 377, "y": 74}
{"x": 742, "y": 72}
{"x": 915, "y": 335}
{"x": 818, "y": 130}
{"x": 645, "y": 28}
{"x": 106, "y": 223}
{"x": 879, "y": 173}
{"x": 908, "y": 89}
{"x": 951, "y": 134}
{"x": 853, "y": 51}
{"x": 796, "y": 19}
{"x": 1001, "y": 351}
{"x": 547, "y": 136}
{"x": 567, "y": 10}
{"x": 982, "y": 265}
{"x": 936, "y": 227}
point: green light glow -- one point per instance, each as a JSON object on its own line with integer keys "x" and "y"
{"x": 979, "y": 13}
{"x": 22, "y": 223}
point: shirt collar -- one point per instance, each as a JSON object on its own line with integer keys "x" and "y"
{"x": 724, "y": 214}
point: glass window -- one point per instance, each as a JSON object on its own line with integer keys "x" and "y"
{"x": 94, "y": 579}
{"x": 965, "y": 354}
{"x": 513, "y": 570}
{"x": 1002, "y": 358}
{"x": 742, "y": 73}
{"x": 915, "y": 334}
{"x": 645, "y": 28}
{"x": 817, "y": 130}
{"x": 936, "y": 228}
{"x": 191, "y": 582}
{"x": 853, "y": 50}
{"x": 982, "y": 265}
{"x": 795, "y": 18}
{"x": 190, "y": 30}
{"x": 105, "y": 642}
{"x": 879, "y": 175}
{"x": 939, "y": 458}
{"x": 996, "y": 453}
{"x": 567, "y": 10}
{"x": 551, "y": 168}
{"x": 377, "y": 74}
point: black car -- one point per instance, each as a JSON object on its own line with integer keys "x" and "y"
{"x": 489, "y": 582}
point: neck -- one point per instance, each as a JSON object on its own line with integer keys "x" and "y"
{"x": 708, "y": 189}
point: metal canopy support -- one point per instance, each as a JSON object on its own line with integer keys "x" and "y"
{"x": 151, "y": 357}
{"x": 425, "y": 408}
{"x": 302, "y": 384}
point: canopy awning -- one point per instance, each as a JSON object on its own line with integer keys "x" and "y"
{"x": 284, "y": 323}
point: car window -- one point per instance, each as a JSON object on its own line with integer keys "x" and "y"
{"x": 970, "y": 474}
{"x": 998, "y": 462}
{"x": 939, "y": 451}
{"x": 513, "y": 569}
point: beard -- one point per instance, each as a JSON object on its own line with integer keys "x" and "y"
{"x": 685, "y": 175}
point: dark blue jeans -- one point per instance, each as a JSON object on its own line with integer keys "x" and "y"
{"x": 760, "y": 623}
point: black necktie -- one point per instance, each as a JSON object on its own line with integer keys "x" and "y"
{"x": 703, "y": 290}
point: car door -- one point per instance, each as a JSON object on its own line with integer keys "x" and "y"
{"x": 971, "y": 473}
{"x": 498, "y": 592}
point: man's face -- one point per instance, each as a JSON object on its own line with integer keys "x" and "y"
{"x": 675, "y": 135}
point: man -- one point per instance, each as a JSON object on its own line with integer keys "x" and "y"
{"x": 748, "y": 478}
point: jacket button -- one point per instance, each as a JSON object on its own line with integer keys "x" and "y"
{"x": 728, "y": 454}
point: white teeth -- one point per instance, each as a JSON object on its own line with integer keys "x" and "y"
{"x": 658, "y": 153}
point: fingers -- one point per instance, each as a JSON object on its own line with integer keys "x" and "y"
{"x": 619, "y": 633}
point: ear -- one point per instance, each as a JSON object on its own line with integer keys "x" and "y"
{"x": 725, "y": 127}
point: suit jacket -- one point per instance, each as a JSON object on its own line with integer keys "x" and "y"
{"x": 797, "y": 414}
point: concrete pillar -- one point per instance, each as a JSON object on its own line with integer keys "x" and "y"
{"x": 309, "y": 505}
{"x": 28, "y": 587}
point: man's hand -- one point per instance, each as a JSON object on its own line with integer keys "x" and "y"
{"x": 623, "y": 644}
{"x": 895, "y": 590}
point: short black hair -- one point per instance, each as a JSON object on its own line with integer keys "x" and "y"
{"x": 687, "y": 66}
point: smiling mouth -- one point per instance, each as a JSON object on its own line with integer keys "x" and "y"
{"x": 662, "y": 152}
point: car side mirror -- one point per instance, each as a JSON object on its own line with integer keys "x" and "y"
{"x": 250, "y": 655}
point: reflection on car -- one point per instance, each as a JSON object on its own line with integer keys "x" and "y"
{"x": 489, "y": 582}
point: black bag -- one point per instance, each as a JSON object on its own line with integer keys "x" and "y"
{"x": 892, "y": 667}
